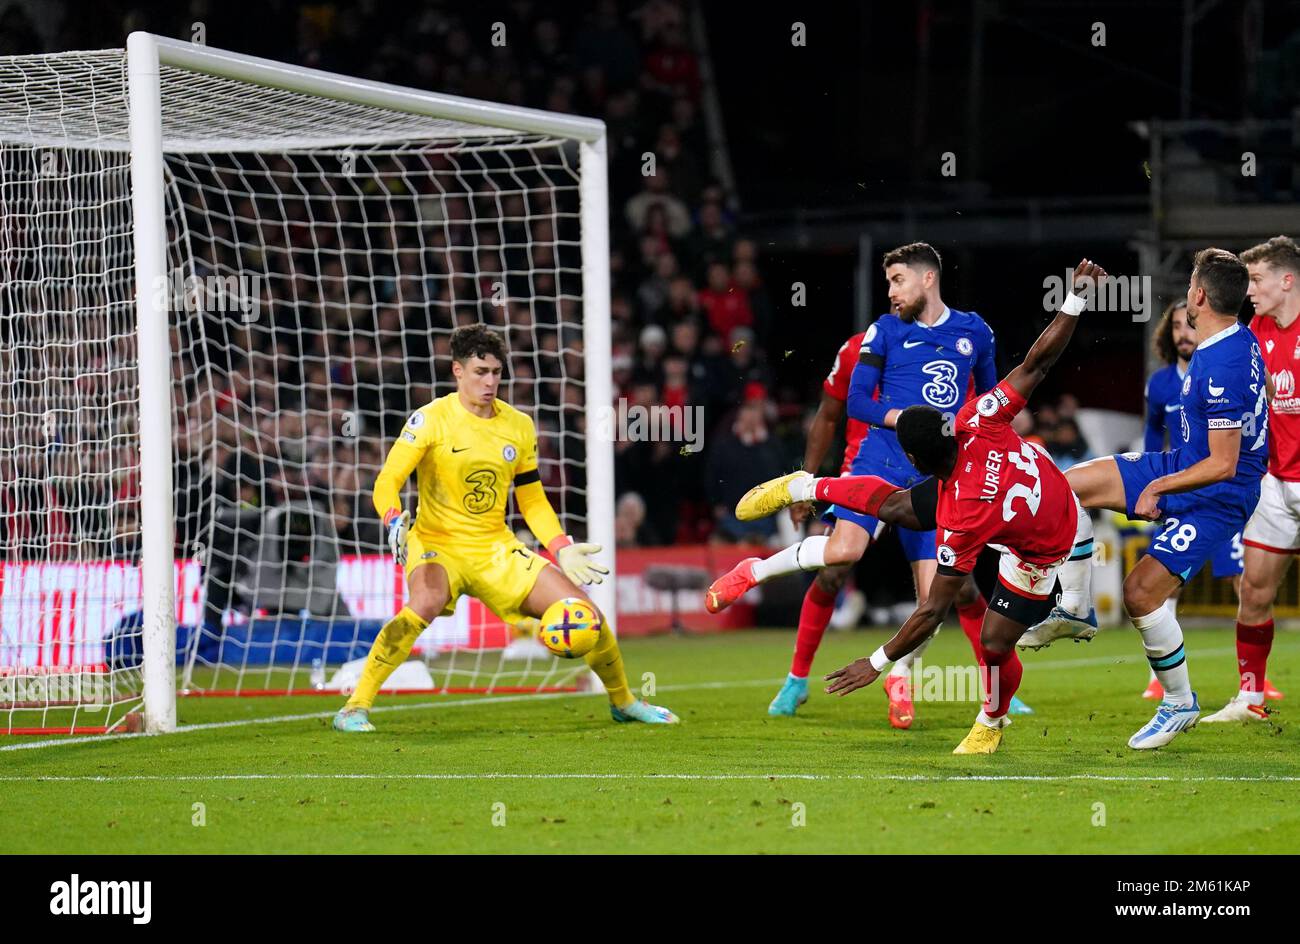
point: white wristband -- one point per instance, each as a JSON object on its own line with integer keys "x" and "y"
{"x": 1074, "y": 304}
{"x": 879, "y": 660}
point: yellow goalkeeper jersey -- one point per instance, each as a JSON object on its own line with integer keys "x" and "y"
{"x": 464, "y": 466}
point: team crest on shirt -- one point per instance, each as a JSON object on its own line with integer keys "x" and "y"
{"x": 416, "y": 420}
{"x": 509, "y": 453}
{"x": 945, "y": 555}
{"x": 964, "y": 347}
{"x": 1187, "y": 384}
{"x": 988, "y": 405}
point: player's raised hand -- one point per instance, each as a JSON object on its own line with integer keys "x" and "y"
{"x": 398, "y": 526}
{"x": 577, "y": 563}
{"x": 857, "y": 674}
{"x": 1086, "y": 275}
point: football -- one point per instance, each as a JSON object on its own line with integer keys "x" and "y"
{"x": 570, "y": 628}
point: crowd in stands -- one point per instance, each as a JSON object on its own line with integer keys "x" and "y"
{"x": 301, "y": 406}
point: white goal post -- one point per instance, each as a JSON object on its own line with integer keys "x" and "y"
{"x": 362, "y": 222}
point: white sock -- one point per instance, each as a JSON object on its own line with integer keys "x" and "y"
{"x": 904, "y": 665}
{"x": 1076, "y": 572}
{"x": 1162, "y": 638}
{"x": 802, "y": 488}
{"x": 808, "y": 554}
{"x": 1172, "y": 606}
{"x": 988, "y": 722}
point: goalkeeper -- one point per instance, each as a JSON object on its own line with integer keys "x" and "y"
{"x": 466, "y": 449}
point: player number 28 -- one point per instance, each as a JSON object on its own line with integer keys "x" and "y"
{"x": 1179, "y": 537}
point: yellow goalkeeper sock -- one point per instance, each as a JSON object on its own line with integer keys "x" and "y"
{"x": 392, "y": 646}
{"x": 607, "y": 662}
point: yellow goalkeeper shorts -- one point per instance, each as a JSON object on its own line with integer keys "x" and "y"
{"x": 500, "y": 573}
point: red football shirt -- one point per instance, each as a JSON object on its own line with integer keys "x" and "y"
{"x": 836, "y": 385}
{"x": 1280, "y": 348}
{"x": 1003, "y": 491}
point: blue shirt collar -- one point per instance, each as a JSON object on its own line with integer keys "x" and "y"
{"x": 1216, "y": 338}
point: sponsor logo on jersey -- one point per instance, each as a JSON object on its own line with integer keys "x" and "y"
{"x": 911, "y": 344}
{"x": 1268, "y": 345}
{"x": 945, "y": 555}
{"x": 1284, "y": 384}
{"x": 509, "y": 453}
{"x": 408, "y": 436}
{"x": 1214, "y": 391}
{"x": 988, "y": 405}
{"x": 965, "y": 347}
{"x": 428, "y": 555}
{"x": 1002, "y": 397}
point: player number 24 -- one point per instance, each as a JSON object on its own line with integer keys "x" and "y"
{"x": 1026, "y": 460}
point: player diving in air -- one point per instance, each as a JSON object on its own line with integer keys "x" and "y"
{"x": 466, "y": 449}
{"x": 987, "y": 486}
{"x": 921, "y": 352}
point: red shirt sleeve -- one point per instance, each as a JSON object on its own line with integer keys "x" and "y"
{"x": 957, "y": 551}
{"x": 998, "y": 407}
{"x": 836, "y": 383}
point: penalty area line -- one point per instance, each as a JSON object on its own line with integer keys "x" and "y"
{"x": 905, "y": 778}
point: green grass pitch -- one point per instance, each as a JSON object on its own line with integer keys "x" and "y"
{"x": 554, "y": 774}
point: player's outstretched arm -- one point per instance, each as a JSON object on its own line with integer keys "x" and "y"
{"x": 1219, "y": 466}
{"x": 918, "y": 628}
{"x": 576, "y": 560}
{"x": 387, "y": 496}
{"x": 1056, "y": 335}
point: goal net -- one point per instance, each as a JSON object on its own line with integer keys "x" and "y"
{"x": 226, "y": 284}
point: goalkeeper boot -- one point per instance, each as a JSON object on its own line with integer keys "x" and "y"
{"x": 792, "y": 694}
{"x": 1018, "y": 707}
{"x": 731, "y": 586}
{"x": 982, "y": 739}
{"x": 353, "y": 720}
{"x": 642, "y": 710}
{"x": 770, "y": 497}
{"x": 1060, "y": 624}
{"x": 1168, "y": 722}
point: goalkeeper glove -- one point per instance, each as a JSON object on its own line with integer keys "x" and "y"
{"x": 398, "y": 526}
{"x": 576, "y": 560}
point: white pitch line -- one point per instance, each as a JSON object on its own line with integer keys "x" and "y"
{"x": 908, "y": 778}
{"x": 417, "y": 706}
{"x": 500, "y": 699}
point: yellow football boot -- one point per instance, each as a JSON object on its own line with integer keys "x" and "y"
{"x": 768, "y": 498}
{"x": 981, "y": 740}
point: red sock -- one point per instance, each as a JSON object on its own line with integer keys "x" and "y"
{"x": 814, "y": 615}
{"x": 1253, "y": 645}
{"x": 1001, "y": 681}
{"x": 971, "y": 617}
{"x": 864, "y": 493}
